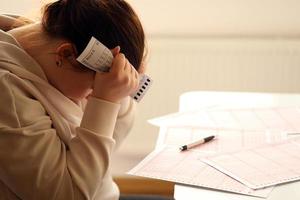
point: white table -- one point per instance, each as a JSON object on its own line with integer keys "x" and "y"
{"x": 197, "y": 100}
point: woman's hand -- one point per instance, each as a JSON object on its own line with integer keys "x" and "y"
{"x": 119, "y": 82}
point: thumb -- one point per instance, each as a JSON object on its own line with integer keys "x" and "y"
{"x": 115, "y": 50}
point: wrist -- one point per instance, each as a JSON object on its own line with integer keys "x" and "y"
{"x": 106, "y": 98}
{"x": 100, "y": 116}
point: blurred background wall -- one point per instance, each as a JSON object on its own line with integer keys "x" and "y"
{"x": 215, "y": 45}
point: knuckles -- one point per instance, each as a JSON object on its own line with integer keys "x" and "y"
{"x": 124, "y": 80}
{"x": 120, "y": 56}
{"x": 119, "y": 82}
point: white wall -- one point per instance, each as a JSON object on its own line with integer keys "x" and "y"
{"x": 219, "y": 45}
{"x": 178, "y": 65}
{"x": 220, "y": 17}
{"x": 29, "y": 8}
{"x": 201, "y": 17}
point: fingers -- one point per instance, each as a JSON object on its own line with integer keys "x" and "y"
{"x": 121, "y": 81}
{"x": 132, "y": 74}
{"x": 142, "y": 68}
{"x": 136, "y": 76}
{"x": 137, "y": 81}
{"x": 119, "y": 62}
{"x": 115, "y": 51}
{"x": 123, "y": 68}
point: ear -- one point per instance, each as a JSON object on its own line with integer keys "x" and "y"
{"x": 66, "y": 51}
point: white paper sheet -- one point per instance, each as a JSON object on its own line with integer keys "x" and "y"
{"x": 168, "y": 163}
{"x": 185, "y": 167}
{"x": 236, "y": 129}
{"x": 226, "y": 140}
{"x": 255, "y": 119}
{"x": 263, "y": 166}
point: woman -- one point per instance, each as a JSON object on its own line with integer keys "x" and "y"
{"x": 59, "y": 121}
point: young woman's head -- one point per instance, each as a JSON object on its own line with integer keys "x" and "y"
{"x": 66, "y": 28}
{"x": 112, "y": 22}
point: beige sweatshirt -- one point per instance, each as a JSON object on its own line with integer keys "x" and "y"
{"x": 49, "y": 147}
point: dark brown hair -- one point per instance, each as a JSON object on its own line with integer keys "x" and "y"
{"x": 112, "y": 22}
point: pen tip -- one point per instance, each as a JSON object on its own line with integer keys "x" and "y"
{"x": 183, "y": 148}
{"x": 209, "y": 138}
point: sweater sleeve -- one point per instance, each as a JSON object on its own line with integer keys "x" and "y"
{"x": 125, "y": 121}
{"x": 36, "y": 164}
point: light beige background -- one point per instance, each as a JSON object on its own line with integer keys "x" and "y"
{"x": 219, "y": 45}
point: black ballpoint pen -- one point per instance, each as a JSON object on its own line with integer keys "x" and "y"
{"x": 196, "y": 143}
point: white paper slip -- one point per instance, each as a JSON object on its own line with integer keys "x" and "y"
{"x": 98, "y": 57}
{"x": 263, "y": 166}
{"x": 144, "y": 85}
{"x": 185, "y": 167}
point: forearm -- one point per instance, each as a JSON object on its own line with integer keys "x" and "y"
{"x": 41, "y": 165}
{"x": 40, "y": 158}
{"x": 125, "y": 121}
{"x": 89, "y": 152}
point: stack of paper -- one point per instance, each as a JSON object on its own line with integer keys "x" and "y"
{"x": 257, "y": 136}
{"x": 260, "y": 167}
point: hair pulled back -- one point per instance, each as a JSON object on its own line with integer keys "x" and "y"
{"x": 112, "y": 22}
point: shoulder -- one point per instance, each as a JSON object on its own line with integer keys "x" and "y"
{"x": 8, "y": 22}
{"x": 7, "y": 38}
{"x": 18, "y": 106}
